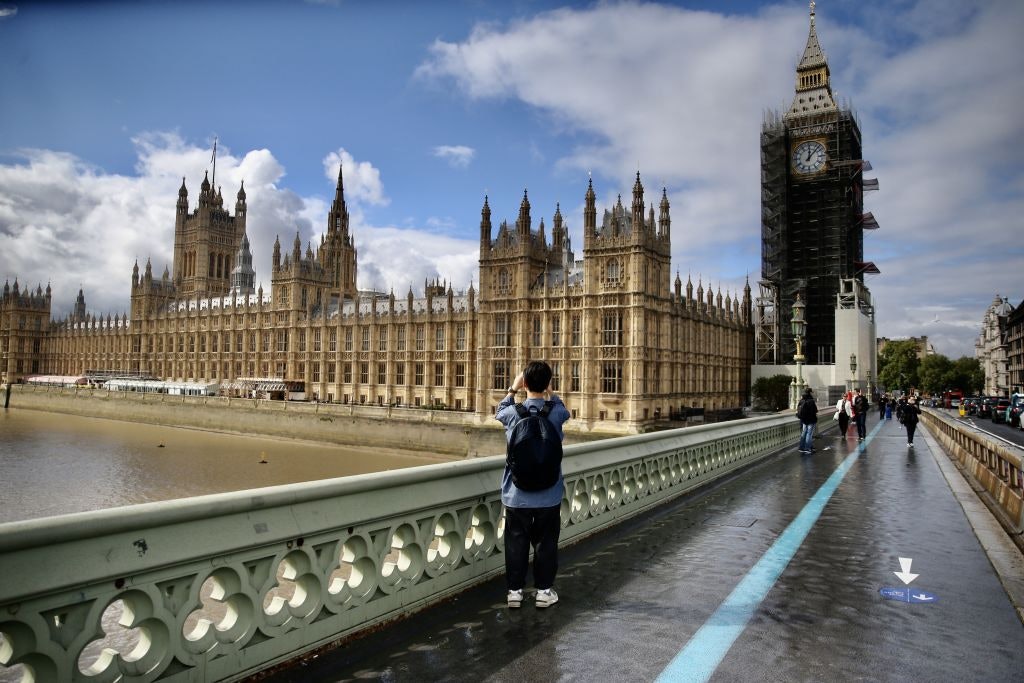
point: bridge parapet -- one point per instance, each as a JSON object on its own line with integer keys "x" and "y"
{"x": 221, "y": 586}
{"x": 996, "y": 469}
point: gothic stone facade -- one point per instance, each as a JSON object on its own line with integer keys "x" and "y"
{"x": 628, "y": 348}
{"x": 992, "y": 347}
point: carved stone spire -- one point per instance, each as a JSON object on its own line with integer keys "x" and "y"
{"x": 485, "y": 225}
{"x": 813, "y": 85}
{"x": 590, "y": 210}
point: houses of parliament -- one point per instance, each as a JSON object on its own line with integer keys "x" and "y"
{"x": 629, "y": 348}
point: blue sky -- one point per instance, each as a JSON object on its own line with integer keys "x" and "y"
{"x": 105, "y": 106}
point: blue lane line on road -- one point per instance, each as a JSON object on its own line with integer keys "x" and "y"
{"x": 696, "y": 662}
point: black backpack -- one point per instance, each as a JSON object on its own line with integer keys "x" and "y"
{"x": 806, "y": 411}
{"x": 534, "y": 454}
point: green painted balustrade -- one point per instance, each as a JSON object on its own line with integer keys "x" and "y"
{"x": 221, "y": 586}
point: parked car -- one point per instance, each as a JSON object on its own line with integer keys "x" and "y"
{"x": 985, "y": 407}
{"x": 999, "y": 410}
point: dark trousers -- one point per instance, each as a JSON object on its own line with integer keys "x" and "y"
{"x": 862, "y": 424}
{"x": 537, "y": 527}
{"x": 844, "y": 422}
{"x": 911, "y": 428}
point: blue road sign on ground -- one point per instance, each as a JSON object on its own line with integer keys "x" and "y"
{"x": 911, "y": 595}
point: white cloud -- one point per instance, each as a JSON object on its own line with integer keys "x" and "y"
{"x": 362, "y": 180}
{"x": 457, "y": 156}
{"x": 393, "y": 258}
{"x": 69, "y": 223}
{"x": 682, "y": 92}
{"x": 6, "y": 12}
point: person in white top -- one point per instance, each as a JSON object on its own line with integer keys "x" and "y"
{"x": 844, "y": 411}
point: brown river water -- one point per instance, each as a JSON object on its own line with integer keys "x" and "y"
{"x": 52, "y": 464}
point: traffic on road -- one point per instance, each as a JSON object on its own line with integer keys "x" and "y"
{"x": 981, "y": 420}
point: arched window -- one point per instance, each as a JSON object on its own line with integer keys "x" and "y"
{"x": 504, "y": 281}
{"x": 613, "y": 271}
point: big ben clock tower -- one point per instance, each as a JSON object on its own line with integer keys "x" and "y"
{"x": 812, "y": 216}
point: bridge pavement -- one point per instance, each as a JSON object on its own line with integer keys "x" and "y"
{"x": 690, "y": 592}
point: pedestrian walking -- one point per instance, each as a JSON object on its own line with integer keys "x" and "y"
{"x": 860, "y": 414}
{"x": 910, "y": 419}
{"x": 532, "y": 484}
{"x": 807, "y": 413}
{"x": 888, "y": 406}
{"x": 882, "y": 403}
{"x": 844, "y": 411}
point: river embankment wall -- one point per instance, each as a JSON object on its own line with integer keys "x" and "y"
{"x": 434, "y": 431}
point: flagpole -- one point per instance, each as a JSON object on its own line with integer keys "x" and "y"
{"x": 214, "y": 185}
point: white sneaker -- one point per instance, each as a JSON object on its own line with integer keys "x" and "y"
{"x": 910, "y": 444}
{"x": 547, "y": 597}
{"x": 515, "y": 598}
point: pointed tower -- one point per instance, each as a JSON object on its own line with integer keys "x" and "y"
{"x": 638, "y": 208}
{"x": 664, "y": 219}
{"x": 812, "y": 216}
{"x": 337, "y": 254}
{"x": 485, "y": 228}
{"x": 523, "y": 221}
{"x": 243, "y": 277}
{"x": 589, "y": 213}
{"x": 206, "y": 242}
{"x": 79, "y": 311}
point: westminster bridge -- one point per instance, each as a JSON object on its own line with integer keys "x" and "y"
{"x": 711, "y": 553}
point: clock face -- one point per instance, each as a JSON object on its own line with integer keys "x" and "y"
{"x": 809, "y": 157}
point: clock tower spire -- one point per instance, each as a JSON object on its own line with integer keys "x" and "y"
{"x": 813, "y": 79}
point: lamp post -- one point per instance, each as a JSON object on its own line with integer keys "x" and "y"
{"x": 799, "y": 328}
{"x": 871, "y": 389}
{"x": 853, "y": 371}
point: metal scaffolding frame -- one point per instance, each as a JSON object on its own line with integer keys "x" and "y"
{"x": 812, "y": 231}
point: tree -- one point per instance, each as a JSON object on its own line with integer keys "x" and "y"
{"x": 938, "y": 373}
{"x": 933, "y": 373}
{"x": 967, "y": 374}
{"x": 898, "y": 364}
{"x": 771, "y": 393}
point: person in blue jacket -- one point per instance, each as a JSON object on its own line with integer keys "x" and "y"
{"x": 531, "y": 517}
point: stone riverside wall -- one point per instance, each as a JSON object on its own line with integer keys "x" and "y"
{"x": 433, "y": 431}
{"x": 995, "y": 472}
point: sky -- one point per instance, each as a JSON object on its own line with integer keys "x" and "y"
{"x": 430, "y": 107}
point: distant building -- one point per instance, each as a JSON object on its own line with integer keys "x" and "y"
{"x": 628, "y": 347}
{"x": 924, "y": 347}
{"x": 992, "y": 347}
{"x": 24, "y": 324}
{"x": 1015, "y": 348}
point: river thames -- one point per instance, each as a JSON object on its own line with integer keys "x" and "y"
{"x": 53, "y": 464}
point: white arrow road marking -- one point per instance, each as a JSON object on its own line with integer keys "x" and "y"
{"x": 905, "y": 575}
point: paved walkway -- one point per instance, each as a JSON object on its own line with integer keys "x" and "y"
{"x": 774, "y": 575}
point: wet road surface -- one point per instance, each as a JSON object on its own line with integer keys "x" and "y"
{"x": 633, "y": 597}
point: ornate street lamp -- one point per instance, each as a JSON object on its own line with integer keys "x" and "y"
{"x": 853, "y": 371}
{"x": 799, "y": 328}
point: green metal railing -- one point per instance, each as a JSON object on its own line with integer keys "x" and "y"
{"x": 221, "y": 586}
